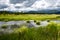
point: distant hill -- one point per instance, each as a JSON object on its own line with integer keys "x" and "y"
{"x": 32, "y": 12}
{"x": 46, "y": 11}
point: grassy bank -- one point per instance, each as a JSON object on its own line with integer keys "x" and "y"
{"x": 50, "y": 32}
{"x": 14, "y": 17}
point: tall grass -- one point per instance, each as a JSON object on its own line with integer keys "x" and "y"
{"x": 49, "y": 32}
{"x": 58, "y": 26}
{"x": 13, "y": 17}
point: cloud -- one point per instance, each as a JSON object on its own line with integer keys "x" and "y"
{"x": 27, "y": 9}
{"x": 40, "y": 4}
{"x": 46, "y": 4}
{"x": 30, "y": 3}
{"x": 16, "y": 1}
{"x": 27, "y": 5}
{"x": 4, "y": 1}
{"x": 3, "y": 6}
{"x": 51, "y": 1}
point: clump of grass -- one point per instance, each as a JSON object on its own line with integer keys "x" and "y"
{"x": 4, "y": 26}
{"x": 28, "y": 21}
{"x": 34, "y": 20}
{"x": 53, "y": 30}
{"x": 48, "y": 20}
{"x": 21, "y": 29}
{"x": 38, "y": 23}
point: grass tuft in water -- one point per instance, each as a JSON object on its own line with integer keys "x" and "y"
{"x": 4, "y": 26}
{"x": 38, "y": 23}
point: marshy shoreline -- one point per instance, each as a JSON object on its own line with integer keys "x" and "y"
{"x": 15, "y": 17}
{"x": 29, "y": 27}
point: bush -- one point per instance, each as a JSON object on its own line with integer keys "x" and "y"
{"x": 28, "y": 21}
{"x": 34, "y": 20}
{"x": 4, "y": 26}
{"x": 38, "y": 23}
{"x": 48, "y": 20}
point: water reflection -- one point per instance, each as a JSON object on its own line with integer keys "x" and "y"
{"x": 31, "y": 23}
{"x": 16, "y": 24}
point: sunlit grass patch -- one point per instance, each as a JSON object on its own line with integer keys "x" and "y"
{"x": 28, "y": 17}
{"x": 49, "y": 32}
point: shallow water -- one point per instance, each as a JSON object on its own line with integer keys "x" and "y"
{"x": 42, "y": 23}
{"x": 21, "y": 23}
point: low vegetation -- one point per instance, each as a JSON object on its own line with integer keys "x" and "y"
{"x": 38, "y": 23}
{"x": 4, "y": 26}
{"x": 14, "y": 17}
{"x": 50, "y": 32}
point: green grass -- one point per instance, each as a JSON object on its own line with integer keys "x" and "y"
{"x": 4, "y": 26}
{"x": 49, "y": 32}
{"x": 58, "y": 26}
{"x": 14, "y": 17}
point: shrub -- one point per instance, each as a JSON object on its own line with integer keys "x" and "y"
{"x": 34, "y": 20}
{"x": 48, "y": 20}
{"x": 28, "y": 21}
{"x": 4, "y": 26}
{"x": 38, "y": 23}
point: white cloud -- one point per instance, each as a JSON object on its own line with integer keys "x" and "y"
{"x": 27, "y": 5}
{"x": 27, "y": 9}
{"x": 41, "y": 4}
{"x": 4, "y": 1}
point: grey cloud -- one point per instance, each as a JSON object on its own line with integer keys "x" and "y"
{"x": 17, "y": 7}
{"x": 51, "y": 1}
{"x": 30, "y": 2}
{"x": 27, "y": 4}
{"x": 58, "y": 4}
{"x": 3, "y": 6}
{"x": 16, "y": 1}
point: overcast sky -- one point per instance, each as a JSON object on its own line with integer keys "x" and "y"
{"x": 27, "y": 5}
